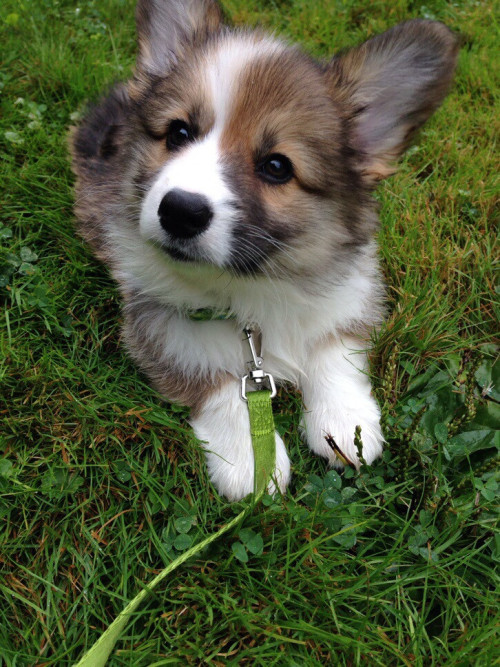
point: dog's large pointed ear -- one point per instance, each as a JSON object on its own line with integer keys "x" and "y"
{"x": 164, "y": 27}
{"x": 388, "y": 87}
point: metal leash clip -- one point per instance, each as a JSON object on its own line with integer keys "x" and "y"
{"x": 256, "y": 374}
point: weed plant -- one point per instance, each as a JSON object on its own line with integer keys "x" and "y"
{"x": 102, "y": 484}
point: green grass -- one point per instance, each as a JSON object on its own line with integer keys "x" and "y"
{"x": 99, "y": 480}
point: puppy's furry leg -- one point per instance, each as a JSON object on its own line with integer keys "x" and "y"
{"x": 222, "y": 424}
{"x": 337, "y": 397}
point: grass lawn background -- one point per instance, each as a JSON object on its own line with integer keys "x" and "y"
{"x": 102, "y": 484}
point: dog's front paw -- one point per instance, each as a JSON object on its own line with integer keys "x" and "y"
{"x": 337, "y": 398}
{"x": 330, "y": 433}
{"x": 233, "y": 475}
{"x": 223, "y": 426}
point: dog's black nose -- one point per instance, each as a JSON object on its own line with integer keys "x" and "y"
{"x": 184, "y": 214}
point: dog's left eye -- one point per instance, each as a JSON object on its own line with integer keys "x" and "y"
{"x": 275, "y": 169}
{"x": 178, "y": 134}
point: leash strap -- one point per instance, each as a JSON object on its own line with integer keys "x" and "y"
{"x": 263, "y": 439}
{"x": 264, "y": 449}
{"x": 98, "y": 654}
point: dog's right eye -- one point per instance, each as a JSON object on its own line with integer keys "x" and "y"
{"x": 178, "y": 134}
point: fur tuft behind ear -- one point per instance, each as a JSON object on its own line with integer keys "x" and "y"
{"x": 389, "y": 86}
{"x": 164, "y": 27}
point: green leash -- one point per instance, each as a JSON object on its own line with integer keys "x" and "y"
{"x": 263, "y": 438}
{"x": 264, "y": 450}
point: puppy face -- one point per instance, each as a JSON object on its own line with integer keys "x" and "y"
{"x": 239, "y": 159}
{"x": 251, "y": 157}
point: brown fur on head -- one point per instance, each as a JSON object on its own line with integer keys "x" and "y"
{"x": 342, "y": 125}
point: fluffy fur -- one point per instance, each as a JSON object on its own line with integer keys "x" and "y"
{"x": 295, "y": 257}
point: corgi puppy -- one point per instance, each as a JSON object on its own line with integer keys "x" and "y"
{"x": 235, "y": 173}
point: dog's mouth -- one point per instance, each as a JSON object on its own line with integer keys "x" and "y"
{"x": 179, "y": 255}
{"x": 238, "y": 265}
{"x": 184, "y": 252}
